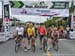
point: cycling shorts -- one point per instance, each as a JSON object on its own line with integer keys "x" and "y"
{"x": 41, "y": 37}
{"x": 29, "y": 37}
{"x": 25, "y": 36}
{"x": 20, "y": 36}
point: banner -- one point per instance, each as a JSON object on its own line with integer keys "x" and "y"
{"x": 41, "y": 8}
{"x": 41, "y": 12}
{"x": 40, "y": 4}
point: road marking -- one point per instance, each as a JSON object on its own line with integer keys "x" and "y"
{"x": 48, "y": 53}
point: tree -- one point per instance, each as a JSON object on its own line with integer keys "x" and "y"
{"x": 49, "y": 23}
{"x": 71, "y": 9}
{"x": 63, "y": 23}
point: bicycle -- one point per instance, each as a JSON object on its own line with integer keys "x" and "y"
{"x": 17, "y": 44}
{"x": 55, "y": 44}
{"x": 33, "y": 44}
{"x": 45, "y": 43}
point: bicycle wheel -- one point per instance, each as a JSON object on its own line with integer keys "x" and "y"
{"x": 45, "y": 46}
{"x": 16, "y": 48}
{"x": 53, "y": 45}
{"x": 33, "y": 44}
{"x": 56, "y": 47}
{"x": 33, "y": 48}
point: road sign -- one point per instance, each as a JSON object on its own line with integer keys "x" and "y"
{"x": 60, "y": 5}
{"x": 39, "y": 4}
{"x": 16, "y": 4}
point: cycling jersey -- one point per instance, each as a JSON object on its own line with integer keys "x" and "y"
{"x": 49, "y": 34}
{"x": 30, "y": 31}
{"x": 55, "y": 34}
{"x": 19, "y": 30}
{"x": 42, "y": 31}
{"x": 67, "y": 28}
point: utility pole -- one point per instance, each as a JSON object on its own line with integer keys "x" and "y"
{"x": 2, "y": 15}
{"x": 72, "y": 22}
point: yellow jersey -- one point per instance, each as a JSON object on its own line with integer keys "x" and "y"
{"x": 30, "y": 31}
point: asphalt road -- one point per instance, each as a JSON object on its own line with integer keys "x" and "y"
{"x": 66, "y": 48}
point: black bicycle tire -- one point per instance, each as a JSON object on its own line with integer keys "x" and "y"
{"x": 16, "y": 47}
{"x": 33, "y": 48}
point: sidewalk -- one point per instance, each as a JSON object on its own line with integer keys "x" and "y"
{"x": 2, "y": 37}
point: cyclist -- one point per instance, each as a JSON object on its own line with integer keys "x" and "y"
{"x": 55, "y": 37}
{"x": 19, "y": 31}
{"x": 42, "y": 33}
{"x": 31, "y": 33}
{"x": 67, "y": 29}
{"x": 49, "y": 31}
{"x": 62, "y": 33}
{"x": 25, "y": 37}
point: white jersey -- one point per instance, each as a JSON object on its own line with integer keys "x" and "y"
{"x": 20, "y": 30}
{"x": 67, "y": 28}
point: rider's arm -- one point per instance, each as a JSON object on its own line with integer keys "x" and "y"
{"x": 34, "y": 31}
{"x": 45, "y": 31}
{"x": 52, "y": 34}
{"x": 58, "y": 34}
{"x": 14, "y": 34}
{"x": 16, "y": 30}
{"x": 23, "y": 30}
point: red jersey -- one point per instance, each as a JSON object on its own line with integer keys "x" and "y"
{"x": 42, "y": 30}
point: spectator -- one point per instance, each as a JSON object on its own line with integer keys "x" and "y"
{"x": 67, "y": 29}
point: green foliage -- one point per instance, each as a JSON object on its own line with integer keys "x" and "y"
{"x": 63, "y": 22}
{"x": 55, "y": 18}
{"x": 49, "y": 23}
{"x": 71, "y": 9}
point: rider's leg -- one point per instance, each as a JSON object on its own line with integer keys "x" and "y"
{"x": 29, "y": 40}
{"x": 41, "y": 41}
{"x": 19, "y": 40}
{"x": 56, "y": 43}
{"x": 53, "y": 43}
{"x": 24, "y": 44}
{"x": 67, "y": 34}
{"x": 49, "y": 43}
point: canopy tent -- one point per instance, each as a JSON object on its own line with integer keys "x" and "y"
{"x": 35, "y": 19}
